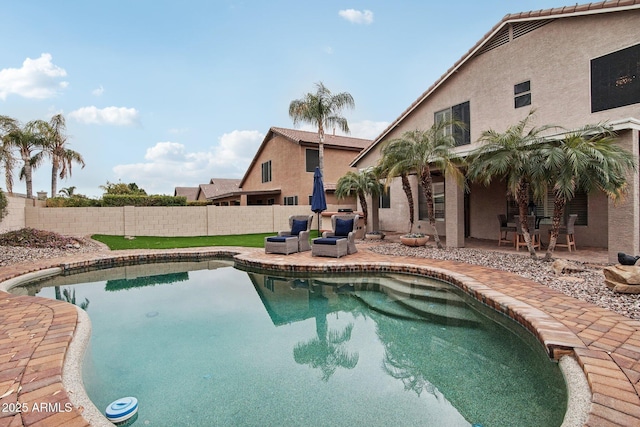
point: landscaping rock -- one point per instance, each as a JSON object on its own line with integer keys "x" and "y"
{"x": 623, "y": 278}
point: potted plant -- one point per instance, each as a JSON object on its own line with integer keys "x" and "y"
{"x": 374, "y": 235}
{"x": 414, "y": 239}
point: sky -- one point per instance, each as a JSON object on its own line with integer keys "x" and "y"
{"x": 173, "y": 93}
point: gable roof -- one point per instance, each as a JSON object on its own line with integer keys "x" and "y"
{"x": 219, "y": 187}
{"x": 302, "y": 137}
{"x": 191, "y": 193}
{"x": 523, "y": 23}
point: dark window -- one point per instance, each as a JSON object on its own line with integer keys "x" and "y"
{"x": 523, "y": 94}
{"x": 462, "y": 114}
{"x": 313, "y": 159}
{"x": 385, "y": 199}
{"x": 615, "y": 79}
{"x": 438, "y": 202}
{"x": 266, "y": 171}
{"x": 522, "y": 87}
{"x": 291, "y": 200}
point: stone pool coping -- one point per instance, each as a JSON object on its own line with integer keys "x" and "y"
{"x": 40, "y": 335}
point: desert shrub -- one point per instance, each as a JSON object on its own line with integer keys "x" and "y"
{"x": 111, "y": 200}
{"x": 72, "y": 202}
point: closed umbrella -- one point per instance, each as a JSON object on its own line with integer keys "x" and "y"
{"x": 318, "y": 199}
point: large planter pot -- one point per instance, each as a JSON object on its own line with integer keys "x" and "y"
{"x": 374, "y": 236}
{"x": 414, "y": 241}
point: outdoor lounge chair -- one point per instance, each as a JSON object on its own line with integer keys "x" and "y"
{"x": 300, "y": 226}
{"x": 344, "y": 226}
{"x": 296, "y": 239}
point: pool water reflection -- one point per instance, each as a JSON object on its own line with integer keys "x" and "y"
{"x": 207, "y": 344}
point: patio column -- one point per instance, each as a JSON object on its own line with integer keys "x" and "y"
{"x": 623, "y": 219}
{"x": 243, "y": 200}
{"x": 454, "y": 213}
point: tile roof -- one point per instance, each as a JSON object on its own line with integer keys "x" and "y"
{"x": 329, "y": 139}
{"x": 191, "y": 193}
{"x": 220, "y": 187}
{"x": 535, "y": 15}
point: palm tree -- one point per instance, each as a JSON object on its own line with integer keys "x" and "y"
{"x": 393, "y": 164}
{"x": 68, "y": 191}
{"x": 361, "y": 184}
{"x": 7, "y": 159}
{"x": 61, "y": 157}
{"x": 512, "y": 156}
{"x": 27, "y": 141}
{"x": 585, "y": 159}
{"x": 321, "y": 109}
{"x": 422, "y": 150}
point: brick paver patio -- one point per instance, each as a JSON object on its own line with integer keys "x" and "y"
{"x": 35, "y": 333}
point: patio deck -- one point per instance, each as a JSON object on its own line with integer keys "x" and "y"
{"x": 36, "y": 332}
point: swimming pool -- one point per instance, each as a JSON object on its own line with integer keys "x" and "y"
{"x": 219, "y": 346}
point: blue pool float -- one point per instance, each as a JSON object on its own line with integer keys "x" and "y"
{"x": 122, "y": 409}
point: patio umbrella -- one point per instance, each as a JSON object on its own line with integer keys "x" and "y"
{"x": 318, "y": 199}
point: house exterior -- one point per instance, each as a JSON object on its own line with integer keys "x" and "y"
{"x": 220, "y": 192}
{"x": 281, "y": 172}
{"x": 574, "y": 66}
{"x": 191, "y": 193}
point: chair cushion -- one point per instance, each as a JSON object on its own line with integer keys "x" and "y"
{"x": 325, "y": 241}
{"x": 343, "y": 227}
{"x": 298, "y": 226}
{"x": 278, "y": 238}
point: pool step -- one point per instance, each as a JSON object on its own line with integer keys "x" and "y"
{"x": 433, "y": 292}
{"x": 431, "y": 299}
{"x": 382, "y": 303}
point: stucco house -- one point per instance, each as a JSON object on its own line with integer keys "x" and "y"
{"x": 574, "y": 65}
{"x": 281, "y": 172}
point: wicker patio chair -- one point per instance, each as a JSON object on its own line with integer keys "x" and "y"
{"x": 300, "y": 226}
{"x": 344, "y": 226}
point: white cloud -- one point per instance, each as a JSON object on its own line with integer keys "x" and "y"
{"x": 98, "y": 91}
{"x": 328, "y": 50}
{"x": 169, "y": 164}
{"x": 367, "y": 129}
{"x": 37, "y": 78}
{"x": 117, "y": 116}
{"x": 357, "y": 16}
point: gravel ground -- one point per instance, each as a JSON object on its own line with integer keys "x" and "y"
{"x": 587, "y": 285}
{"x": 17, "y": 254}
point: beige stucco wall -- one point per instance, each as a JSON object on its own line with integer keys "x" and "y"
{"x": 288, "y": 166}
{"x": 14, "y": 219}
{"x": 163, "y": 221}
{"x": 556, "y": 60}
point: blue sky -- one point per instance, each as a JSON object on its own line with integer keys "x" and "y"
{"x": 167, "y": 93}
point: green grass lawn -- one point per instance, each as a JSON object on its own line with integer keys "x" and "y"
{"x": 150, "y": 242}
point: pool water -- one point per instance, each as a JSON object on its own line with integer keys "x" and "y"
{"x": 216, "y": 346}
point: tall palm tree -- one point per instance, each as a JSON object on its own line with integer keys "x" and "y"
{"x": 585, "y": 159}
{"x": 7, "y": 159}
{"x": 361, "y": 184}
{"x": 61, "y": 156}
{"x": 28, "y": 140}
{"x": 423, "y": 151}
{"x": 513, "y": 156}
{"x": 393, "y": 164}
{"x": 321, "y": 109}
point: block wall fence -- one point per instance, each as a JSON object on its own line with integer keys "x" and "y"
{"x": 153, "y": 221}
